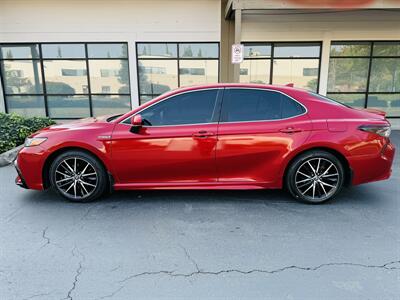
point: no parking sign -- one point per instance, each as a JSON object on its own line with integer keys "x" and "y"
{"x": 237, "y": 53}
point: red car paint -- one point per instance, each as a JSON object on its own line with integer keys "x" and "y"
{"x": 241, "y": 155}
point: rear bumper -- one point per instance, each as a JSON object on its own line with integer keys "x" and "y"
{"x": 367, "y": 168}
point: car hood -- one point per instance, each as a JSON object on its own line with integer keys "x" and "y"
{"x": 87, "y": 123}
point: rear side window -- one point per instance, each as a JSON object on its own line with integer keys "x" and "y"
{"x": 188, "y": 108}
{"x": 241, "y": 105}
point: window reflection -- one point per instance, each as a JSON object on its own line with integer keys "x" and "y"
{"x": 112, "y": 104}
{"x": 348, "y": 74}
{"x": 110, "y": 75}
{"x": 65, "y": 76}
{"x": 255, "y": 71}
{"x": 193, "y": 72}
{"x": 68, "y": 106}
{"x": 157, "y": 76}
{"x": 26, "y": 105}
{"x": 22, "y": 76}
{"x": 297, "y": 71}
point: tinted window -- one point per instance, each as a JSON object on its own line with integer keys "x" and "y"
{"x": 189, "y": 108}
{"x": 252, "y": 105}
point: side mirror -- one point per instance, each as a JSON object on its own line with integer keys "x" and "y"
{"x": 136, "y": 122}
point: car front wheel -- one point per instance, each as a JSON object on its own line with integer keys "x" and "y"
{"x": 315, "y": 177}
{"x": 78, "y": 176}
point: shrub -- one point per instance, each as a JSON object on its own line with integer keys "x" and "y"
{"x": 14, "y": 129}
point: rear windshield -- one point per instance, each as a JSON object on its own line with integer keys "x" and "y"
{"x": 318, "y": 96}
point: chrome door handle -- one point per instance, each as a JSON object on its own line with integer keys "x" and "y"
{"x": 290, "y": 130}
{"x": 203, "y": 134}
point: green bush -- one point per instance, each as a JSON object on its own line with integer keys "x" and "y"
{"x": 14, "y": 129}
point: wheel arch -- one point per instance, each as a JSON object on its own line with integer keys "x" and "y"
{"x": 340, "y": 156}
{"x": 53, "y": 155}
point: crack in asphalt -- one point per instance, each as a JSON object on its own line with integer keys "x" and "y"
{"x": 45, "y": 237}
{"x": 36, "y": 295}
{"x": 387, "y": 266}
{"x": 190, "y": 258}
{"x": 78, "y": 272}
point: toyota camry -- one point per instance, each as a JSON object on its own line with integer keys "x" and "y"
{"x": 221, "y": 136}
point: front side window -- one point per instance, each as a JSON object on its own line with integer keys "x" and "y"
{"x": 187, "y": 108}
{"x": 241, "y": 105}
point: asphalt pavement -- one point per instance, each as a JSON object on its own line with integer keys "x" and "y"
{"x": 201, "y": 244}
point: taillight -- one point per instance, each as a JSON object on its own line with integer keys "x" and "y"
{"x": 382, "y": 130}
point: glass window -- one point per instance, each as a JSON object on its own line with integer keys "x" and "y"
{"x": 350, "y": 49}
{"x": 255, "y": 70}
{"x": 59, "y": 75}
{"x": 193, "y": 72}
{"x": 386, "y": 49}
{"x": 20, "y": 51}
{"x": 107, "y": 50}
{"x": 144, "y": 98}
{"x": 188, "y": 108}
{"x": 28, "y": 106}
{"x": 348, "y": 74}
{"x": 354, "y": 100}
{"x": 112, "y": 104}
{"x": 296, "y": 63}
{"x": 198, "y": 50}
{"x": 63, "y": 51}
{"x": 355, "y": 67}
{"x": 296, "y": 50}
{"x": 292, "y": 71}
{"x": 158, "y": 70}
{"x": 242, "y": 105}
{"x": 385, "y": 75}
{"x": 59, "y": 82}
{"x": 390, "y": 103}
{"x": 22, "y": 76}
{"x": 157, "y": 76}
{"x": 256, "y": 50}
{"x": 151, "y": 50}
{"x": 68, "y": 106}
{"x": 111, "y": 73}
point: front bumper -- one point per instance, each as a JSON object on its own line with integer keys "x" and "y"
{"x": 19, "y": 180}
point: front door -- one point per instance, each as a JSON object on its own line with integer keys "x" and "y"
{"x": 176, "y": 145}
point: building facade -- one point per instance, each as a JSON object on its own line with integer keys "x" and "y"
{"x": 74, "y": 59}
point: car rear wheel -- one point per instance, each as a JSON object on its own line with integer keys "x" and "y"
{"x": 78, "y": 176}
{"x": 315, "y": 177}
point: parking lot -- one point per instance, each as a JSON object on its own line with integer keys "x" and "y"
{"x": 201, "y": 244}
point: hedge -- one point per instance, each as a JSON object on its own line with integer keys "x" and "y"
{"x": 14, "y": 129}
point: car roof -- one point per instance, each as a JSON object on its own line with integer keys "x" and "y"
{"x": 283, "y": 88}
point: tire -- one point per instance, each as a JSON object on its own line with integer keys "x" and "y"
{"x": 311, "y": 177}
{"x": 78, "y": 176}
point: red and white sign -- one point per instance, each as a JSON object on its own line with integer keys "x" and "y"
{"x": 237, "y": 53}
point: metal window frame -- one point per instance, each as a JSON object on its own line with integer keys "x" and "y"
{"x": 86, "y": 59}
{"x": 272, "y": 57}
{"x": 368, "y": 57}
{"x": 177, "y": 59}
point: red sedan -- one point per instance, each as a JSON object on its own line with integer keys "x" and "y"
{"x": 222, "y": 136}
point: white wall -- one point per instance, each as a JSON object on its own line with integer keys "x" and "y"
{"x": 110, "y": 20}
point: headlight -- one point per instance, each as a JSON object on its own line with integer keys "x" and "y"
{"x": 382, "y": 130}
{"x": 36, "y": 141}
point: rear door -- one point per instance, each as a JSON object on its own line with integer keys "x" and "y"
{"x": 258, "y": 128}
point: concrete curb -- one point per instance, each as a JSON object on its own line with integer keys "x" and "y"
{"x": 8, "y": 157}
